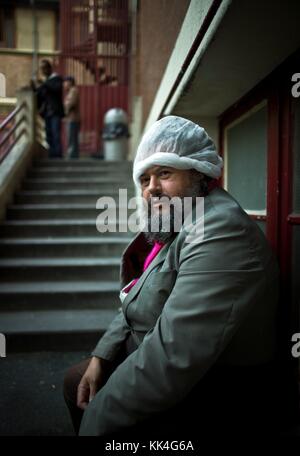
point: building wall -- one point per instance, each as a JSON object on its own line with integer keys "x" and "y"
{"x": 158, "y": 25}
{"x": 17, "y": 70}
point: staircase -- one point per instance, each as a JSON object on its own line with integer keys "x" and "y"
{"x": 59, "y": 277}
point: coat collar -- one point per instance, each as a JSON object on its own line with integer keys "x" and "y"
{"x": 132, "y": 264}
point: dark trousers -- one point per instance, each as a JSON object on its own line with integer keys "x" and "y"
{"x": 53, "y": 136}
{"x": 71, "y": 382}
{"x": 74, "y": 375}
{"x": 73, "y": 139}
{"x": 161, "y": 426}
{"x": 227, "y": 401}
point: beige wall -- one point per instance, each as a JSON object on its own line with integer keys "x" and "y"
{"x": 17, "y": 70}
{"x": 158, "y": 25}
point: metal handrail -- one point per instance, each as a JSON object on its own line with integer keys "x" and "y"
{"x": 22, "y": 132}
{"x": 12, "y": 115}
{"x": 13, "y": 129}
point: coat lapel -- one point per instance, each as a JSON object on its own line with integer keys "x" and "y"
{"x": 133, "y": 259}
{"x": 160, "y": 257}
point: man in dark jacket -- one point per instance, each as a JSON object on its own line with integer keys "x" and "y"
{"x": 50, "y": 106}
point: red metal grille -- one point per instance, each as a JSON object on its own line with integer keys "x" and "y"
{"x": 95, "y": 51}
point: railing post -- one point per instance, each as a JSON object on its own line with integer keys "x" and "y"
{"x": 27, "y": 95}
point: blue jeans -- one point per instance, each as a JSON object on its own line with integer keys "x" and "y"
{"x": 73, "y": 143}
{"x": 53, "y": 136}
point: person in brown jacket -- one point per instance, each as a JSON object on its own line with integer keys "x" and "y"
{"x": 72, "y": 112}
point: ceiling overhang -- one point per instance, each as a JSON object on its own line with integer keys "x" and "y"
{"x": 252, "y": 39}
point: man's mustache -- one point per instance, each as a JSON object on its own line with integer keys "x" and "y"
{"x": 157, "y": 198}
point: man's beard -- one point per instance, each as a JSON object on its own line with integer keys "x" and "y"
{"x": 166, "y": 224}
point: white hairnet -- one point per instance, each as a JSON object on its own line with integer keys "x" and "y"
{"x": 179, "y": 143}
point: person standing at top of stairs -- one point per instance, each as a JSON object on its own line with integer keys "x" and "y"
{"x": 50, "y": 106}
{"x": 72, "y": 111}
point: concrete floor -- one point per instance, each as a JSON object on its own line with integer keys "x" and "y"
{"x": 31, "y": 399}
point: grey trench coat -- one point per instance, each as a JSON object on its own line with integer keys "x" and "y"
{"x": 195, "y": 307}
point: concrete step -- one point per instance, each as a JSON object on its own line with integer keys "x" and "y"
{"x": 82, "y": 176}
{"x": 63, "y": 247}
{"x": 65, "y": 211}
{"x": 106, "y": 178}
{"x": 41, "y": 269}
{"x": 55, "y": 329}
{"x": 78, "y": 172}
{"x": 26, "y": 322}
{"x": 65, "y": 196}
{"x": 82, "y": 163}
{"x": 104, "y": 187}
{"x": 62, "y": 227}
{"x": 63, "y": 295}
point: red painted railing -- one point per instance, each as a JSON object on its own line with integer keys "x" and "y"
{"x": 12, "y": 129}
{"x": 95, "y": 51}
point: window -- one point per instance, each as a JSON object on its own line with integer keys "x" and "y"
{"x": 2, "y": 28}
{"x": 245, "y": 175}
{"x": 46, "y": 29}
{"x": 7, "y": 28}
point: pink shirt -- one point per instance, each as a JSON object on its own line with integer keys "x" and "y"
{"x": 156, "y": 248}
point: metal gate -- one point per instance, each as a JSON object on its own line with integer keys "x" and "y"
{"x": 95, "y": 51}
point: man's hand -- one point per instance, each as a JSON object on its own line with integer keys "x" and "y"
{"x": 35, "y": 83}
{"x": 32, "y": 84}
{"x": 90, "y": 383}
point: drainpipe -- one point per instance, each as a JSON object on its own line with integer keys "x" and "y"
{"x": 35, "y": 40}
